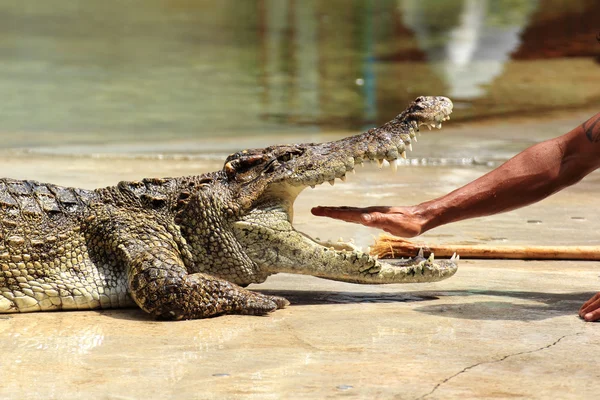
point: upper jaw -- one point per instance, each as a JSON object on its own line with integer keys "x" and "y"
{"x": 286, "y": 170}
{"x": 325, "y": 162}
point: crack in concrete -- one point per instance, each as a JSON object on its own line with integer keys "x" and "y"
{"x": 303, "y": 342}
{"x": 436, "y": 387}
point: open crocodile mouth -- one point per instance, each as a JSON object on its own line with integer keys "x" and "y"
{"x": 390, "y": 158}
{"x": 386, "y": 144}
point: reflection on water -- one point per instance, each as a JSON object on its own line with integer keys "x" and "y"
{"x": 91, "y": 72}
{"x": 478, "y": 43}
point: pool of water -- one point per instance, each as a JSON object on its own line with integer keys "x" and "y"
{"x": 128, "y": 74}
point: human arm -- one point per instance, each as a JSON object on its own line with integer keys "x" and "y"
{"x": 530, "y": 176}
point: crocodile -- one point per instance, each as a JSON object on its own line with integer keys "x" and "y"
{"x": 185, "y": 247}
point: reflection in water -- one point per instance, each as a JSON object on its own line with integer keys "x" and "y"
{"x": 476, "y": 48}
{"x": 92, "y": 72}
{"x": 289, "y": 59}
{"x": 369, "y": 72}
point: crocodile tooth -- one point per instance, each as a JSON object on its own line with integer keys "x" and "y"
{"x": 439, "y": 125}
{"x": 457, "y": 257}
{"x": 410, "y": 146}
{"x": 380, "y": 162}
{"x": 447, "y": 118}
{"x": 453, "y": 257}
{"x": 415, "y": 139}
{"x": 394, "y": 165}
{"x": 420, "y": 253}
{"x": 403, "y": 154}
{"x": 431, "y": 258}
{"x": 429, "y": 126}
{"x": 331, "y": 182}
{"x": 341, "y": 239}
{"x": 343, "y": 178}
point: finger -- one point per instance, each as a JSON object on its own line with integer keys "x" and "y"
{"x": 379, "y": 209}
{"x": 592, "y": 316}
{"x": 585, "y": 305}
{"x": 326, "y": 210}
{"x": 590, "y": 308}
{"x": 348, "y": 214}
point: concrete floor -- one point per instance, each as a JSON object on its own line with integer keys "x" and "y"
{"x": 497, "y": 329}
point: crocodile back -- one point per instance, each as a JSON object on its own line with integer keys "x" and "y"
{"x": 23, "y": 202}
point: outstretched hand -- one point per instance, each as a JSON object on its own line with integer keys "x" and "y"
{"x": 398, "y": 221}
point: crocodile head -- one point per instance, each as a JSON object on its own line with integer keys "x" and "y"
{"x": 264, "y": 183}
{"x": 294, "y": 167}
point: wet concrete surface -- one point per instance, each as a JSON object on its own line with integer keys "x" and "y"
{"x": 497, "y": 329}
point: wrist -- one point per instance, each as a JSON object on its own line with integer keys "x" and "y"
{"x": 427, "y": 216}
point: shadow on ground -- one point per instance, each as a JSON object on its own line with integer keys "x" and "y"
{"x": 315, "y": 297}
{"x": 549, "y": 305}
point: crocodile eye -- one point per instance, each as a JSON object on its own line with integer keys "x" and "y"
{"x": 285, "y": 157}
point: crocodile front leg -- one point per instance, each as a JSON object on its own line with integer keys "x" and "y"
{"x": 160, "y": 285}
{"x": 153, "y": 254}
{"x": 287, "y": 250}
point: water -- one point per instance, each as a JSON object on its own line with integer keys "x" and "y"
{"x": 80, "y": 73}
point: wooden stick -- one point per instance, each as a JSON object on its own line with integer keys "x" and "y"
{"x": 393, "y": 247}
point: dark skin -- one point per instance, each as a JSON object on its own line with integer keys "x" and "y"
{"x": 536, "y": 173}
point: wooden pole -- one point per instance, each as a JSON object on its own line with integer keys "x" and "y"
{"x": 393, "y": 247}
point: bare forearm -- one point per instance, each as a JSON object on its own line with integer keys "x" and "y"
{"x": 530, "y": 176}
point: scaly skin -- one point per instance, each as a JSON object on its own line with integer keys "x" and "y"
{"x": 183, "y": 248}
